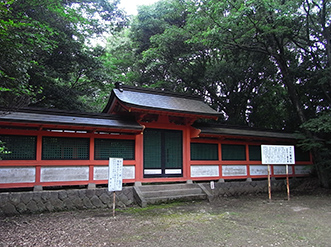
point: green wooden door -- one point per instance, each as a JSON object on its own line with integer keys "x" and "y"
{"x": 163, "y": 153}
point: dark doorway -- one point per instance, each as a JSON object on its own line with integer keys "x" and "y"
{"x": 163, "y": 153}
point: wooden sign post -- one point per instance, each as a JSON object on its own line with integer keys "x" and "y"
{"x": 287, "y": 183}
{"x": 115, "y": 177}
{"x": 278, "y": 155}
{"x": 269, "y": 182}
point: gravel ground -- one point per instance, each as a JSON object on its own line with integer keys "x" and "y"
{"x": 305, "y": 220}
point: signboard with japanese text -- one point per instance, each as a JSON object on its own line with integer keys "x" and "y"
{"x": 115, "y": 174}
{"x": 277, "y": 155}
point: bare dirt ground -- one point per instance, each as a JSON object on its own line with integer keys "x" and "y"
{"x": 305, "y": 220}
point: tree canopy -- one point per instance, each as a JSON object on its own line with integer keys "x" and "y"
{"x": 261, "y": 63}
{"x": 45, "y": 56}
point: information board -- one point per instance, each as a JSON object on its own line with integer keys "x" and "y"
{"x": 115, "y": 174}
{"x": 277, "y": 155}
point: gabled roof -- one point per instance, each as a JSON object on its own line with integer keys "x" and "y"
{"x": 55, "y": 117}
{"x": 159, "y": 101}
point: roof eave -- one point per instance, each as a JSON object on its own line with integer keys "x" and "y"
{"x": 34, "y": 119}
{"x": 110, "y": 104}
{"x": 248, "y": 133}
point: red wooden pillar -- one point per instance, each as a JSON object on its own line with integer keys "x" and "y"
{"x": 186, "y": 153}
{"x": 38, "y": 159}
{"x": 139, "y": 163}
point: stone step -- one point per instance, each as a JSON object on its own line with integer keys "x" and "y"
{"x": 176, "y": 192}
{"x": 188, "y": 197}
{"x": 160, "y": 187}
{"x": 150, "y": 194}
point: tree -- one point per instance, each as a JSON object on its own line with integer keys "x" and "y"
{"x": 295, "y": 37}
{"x": 118, "y": 65}
{"x": 319, "y": 143}
{"x": 44, "y": 51}
{"x": 248, "y": 59}
{"x": 172, "y": 55}
{"x": 278, "y": 29}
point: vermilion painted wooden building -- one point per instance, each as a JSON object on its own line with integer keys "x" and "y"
{"x": 154, "y": 132}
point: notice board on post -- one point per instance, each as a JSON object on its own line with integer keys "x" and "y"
{"x": 277, "y": 155}
{"x": 115, "y": 175}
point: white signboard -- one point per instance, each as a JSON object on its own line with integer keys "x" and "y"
{"x": 276, "y": 154}
{"x": 115, "y": 175}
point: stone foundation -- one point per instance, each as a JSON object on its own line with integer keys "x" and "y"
{"x": 225, "y": 189}
{"x": 12, "y": 203}
{"x": 59, "y": 200}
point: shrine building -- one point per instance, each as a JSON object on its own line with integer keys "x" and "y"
{"x": 157, "y": 134}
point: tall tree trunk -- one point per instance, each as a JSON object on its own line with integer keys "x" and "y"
{"x": 292, "y": 92}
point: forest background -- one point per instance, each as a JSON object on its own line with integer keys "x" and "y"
{"x": 261, "y": 63}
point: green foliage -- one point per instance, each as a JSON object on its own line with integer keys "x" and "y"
{"x": 321, "y": 125}
{"x": 318, "y": 134}
{"x": 317, "y": 140}
{"x": 246, "y": 58}
{"x": 3, "y": 149}
{"x": 45, "y": 59}
{"x": 180, "y": 46}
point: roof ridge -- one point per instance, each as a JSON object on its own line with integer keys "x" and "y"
{"x": 244, "y": 127}
{"x": 159, "y": 92}
{"x": 61, "y": 112}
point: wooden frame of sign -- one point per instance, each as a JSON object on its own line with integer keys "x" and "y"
{"x": 278, "y": 155}
{"x": 115, "y": 177}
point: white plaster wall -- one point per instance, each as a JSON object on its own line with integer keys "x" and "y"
{"x": 204, "y": 171}
{"x": 101, "y": 172}
{"x": 17, "y": 174}
{"x": 64, "y": 173}
{"x": 304, "y": 169}
{"x": 281, "y": 170}
{"x": 129, "y": 172}
{"x": 258, "y": 170}
{"x": 234, "y": 170}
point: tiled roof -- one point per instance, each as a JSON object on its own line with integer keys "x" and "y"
{"x": 214, "y": 129}
{"x": 68, "y": 118}
{"x": 160, "y": 101}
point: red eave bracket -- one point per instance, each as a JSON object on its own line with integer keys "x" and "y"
{"x": 143, "y": 111}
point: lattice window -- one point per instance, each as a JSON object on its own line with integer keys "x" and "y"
{"x": 19, "y": 147}
{"x": 254, "y": 152}
{"x": 204, "y": 151}
{"x": 105, "y": 148}
{"x": 65, "y": 148}
{"x": 233, "y": 152}
{"x": 301, "y": 155}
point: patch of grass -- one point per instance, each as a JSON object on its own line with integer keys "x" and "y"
{"x": 149, "y": 208}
